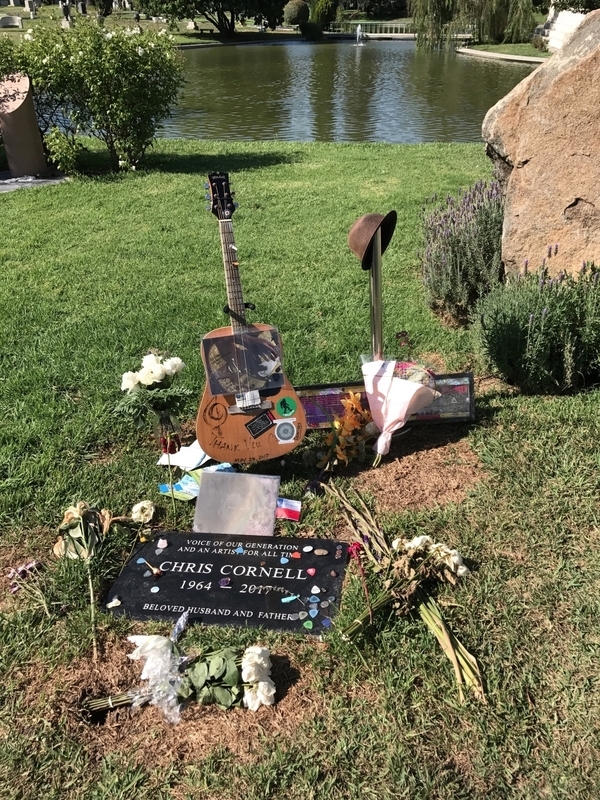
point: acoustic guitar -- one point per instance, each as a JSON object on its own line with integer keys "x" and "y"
{"x": 249, "y": 410}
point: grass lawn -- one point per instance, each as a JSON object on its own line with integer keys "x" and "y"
{"x": 513, "y": 49}
{"x": 98, "y": 270}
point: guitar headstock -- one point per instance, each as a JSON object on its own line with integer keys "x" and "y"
{"x": 221, "y": 200}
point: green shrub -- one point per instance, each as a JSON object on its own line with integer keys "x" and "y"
{"x": 540, "y": 43}
{"x": 296, "y": 12}
{"x": 462, "y": 256}
{"x": 311, "y": 31}
{"x": 115, "y": 85}
{"x": 543, "y": 334}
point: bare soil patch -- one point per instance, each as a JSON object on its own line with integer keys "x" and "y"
{"x": 427, "y": 466}
{"x": 143, "y": 734}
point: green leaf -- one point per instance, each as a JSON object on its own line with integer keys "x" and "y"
{"x": 232, "y": 674}
{"x": 198, "y": 674}
{"x": 186, "y": 689}
{"x": 206, "y": 696}
{"x": 223, "y": 696}
{"x": 216, "y": 667}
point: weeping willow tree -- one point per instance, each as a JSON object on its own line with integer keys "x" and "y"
{"x": 436, "y": 21}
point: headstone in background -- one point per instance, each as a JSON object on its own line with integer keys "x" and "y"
{"x": 279, "y": 583}
{"x": 20, "y": 131}
{"x": 544, "y": 138}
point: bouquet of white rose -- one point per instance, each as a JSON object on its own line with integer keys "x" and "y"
{"x": 151, "y": 391}
{"x": 227, "y": 678}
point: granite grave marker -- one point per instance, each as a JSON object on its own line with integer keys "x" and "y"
{"x": 279, "y": 583}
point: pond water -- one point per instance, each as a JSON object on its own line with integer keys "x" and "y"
{"x": 384, "y": 91}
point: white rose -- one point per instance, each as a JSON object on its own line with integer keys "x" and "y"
{"x": 150, "y": 375}
{"x": 129, "y": 381}
{"x": 253, "y": 673}
{"x": 150, "y": 360}
{"x": 173, "y": 366}
{"x": 251, "y": 699}
{"x": 418, "y": 542}
{"x": 143, "y": 511}
{"x": 265, "y": 691}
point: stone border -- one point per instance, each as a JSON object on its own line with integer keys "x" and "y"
{"x": 467, "y": 51}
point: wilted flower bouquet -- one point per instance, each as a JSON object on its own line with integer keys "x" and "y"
{"x": 407, "y": 569}
{"x": 227, "y": 678}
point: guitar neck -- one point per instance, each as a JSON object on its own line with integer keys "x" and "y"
{"x": 235, "y": 299}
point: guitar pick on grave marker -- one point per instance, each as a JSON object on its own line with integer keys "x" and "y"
{"x": 308, "y": 624}
{"x": 284, "y": 560}
{"x": 314, "y": 612}
{"x": 311, "y": 571}
{"x": 302, "y": 614}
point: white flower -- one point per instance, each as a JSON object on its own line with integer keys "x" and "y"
{"x": 172, "y": 366}
{"x": 108, "y": 35}
{"x": 251, "y": 699}
{"x": 150, "y": 360}
{"x": 80, "y": 53}
{"x": 397, "y": 543}
{"x": 28, "y": 37}
{"x": 253, "y": 673}
{"x": 140, "y": 51}
{"x": 150, "y": 375}
{"x": 256, "y": 664}
{"x": 45, "y": 60}
{"x": 265, "y": 691}
{"x": 261, "y": 694}
{"x": 418, "y": 543}
{"x": 143, "y": 511}
{"x": 162, "y": 32}
{"x": 129, "y": 381}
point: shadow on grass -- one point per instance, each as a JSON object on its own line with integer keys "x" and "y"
{"x": 202, "y": 164}
{"x": 95, "y": 163}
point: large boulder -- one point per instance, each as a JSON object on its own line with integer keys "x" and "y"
{"x": 544, "y": 138}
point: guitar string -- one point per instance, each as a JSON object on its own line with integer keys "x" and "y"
{"x": 230, "y": 298}
{"x": 238, "y": 328}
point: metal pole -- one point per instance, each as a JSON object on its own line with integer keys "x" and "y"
{"x": 376, "y": 312}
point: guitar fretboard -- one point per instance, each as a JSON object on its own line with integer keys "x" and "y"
{"x": 235, "y": 299}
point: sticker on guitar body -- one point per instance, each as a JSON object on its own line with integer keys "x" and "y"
{"x": 261, "y": 449}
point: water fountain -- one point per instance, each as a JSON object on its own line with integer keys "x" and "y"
{"x": 359, "y": 36}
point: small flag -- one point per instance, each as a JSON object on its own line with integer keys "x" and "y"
{"x": 288, "y": 509}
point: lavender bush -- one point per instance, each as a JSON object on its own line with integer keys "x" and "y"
{"x": 542, "y": 334}
{"x": 461, "y": 258}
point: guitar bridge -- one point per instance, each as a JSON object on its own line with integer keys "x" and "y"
{"x": 264, "y": 405}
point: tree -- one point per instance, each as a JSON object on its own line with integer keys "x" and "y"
{"x": 115, "y": 85}
{"x": 295, "y": 12}
{"x": 489, "y": 20}
{"x": 223, "y": 14}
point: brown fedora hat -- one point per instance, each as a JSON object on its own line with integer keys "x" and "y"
{"x": 362, "y": 233}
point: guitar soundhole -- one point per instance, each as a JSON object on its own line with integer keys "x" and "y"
{"x": 244, "y": 362}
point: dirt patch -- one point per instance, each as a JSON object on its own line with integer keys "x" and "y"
{"x": 17, "y": 553}
{"x": 427, "y": 466}
{"x": 144, "y": 734}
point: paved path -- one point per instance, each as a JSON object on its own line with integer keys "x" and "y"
{"x": 8, "y": 184}
{"x": 468, "y": 51}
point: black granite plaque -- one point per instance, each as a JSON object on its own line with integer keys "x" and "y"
{"x": 279, "y": 583}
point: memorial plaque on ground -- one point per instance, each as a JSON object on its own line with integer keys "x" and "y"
{"x": 279, "y": 583}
